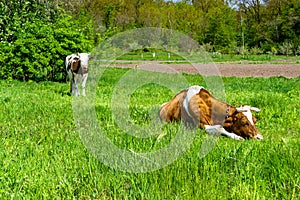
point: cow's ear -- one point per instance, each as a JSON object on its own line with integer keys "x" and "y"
{"x": 232, "y": 112}
{"x": 254, "y": 119}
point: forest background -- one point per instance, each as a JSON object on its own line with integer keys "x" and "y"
{"x": 36, "y": 35}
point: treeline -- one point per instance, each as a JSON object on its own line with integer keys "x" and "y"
{"x": 36, "y": 35}
{"x": 261, "y": 25}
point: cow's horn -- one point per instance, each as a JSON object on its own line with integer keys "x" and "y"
{"x": 241, "y": 110}
{"x": 254, "y": 109}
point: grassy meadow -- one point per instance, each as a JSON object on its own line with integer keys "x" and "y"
{"x": 42, "y": 155}
{"x": 166, "y": 57}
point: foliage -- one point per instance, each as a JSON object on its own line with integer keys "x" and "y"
{"x": 36, "y": 36}
{"x": 261, "y": 24}
{"x": 255, "y": 51}
{"x": 36, "y": 40}
{"x": 42, "y": 156}
{"x": 221, "y": 28}
{"x": 286, "y": 48}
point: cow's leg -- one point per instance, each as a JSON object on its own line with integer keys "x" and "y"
{"x": 71, "y": 87}
{"x": 213, "y": 130}
{"x": 219, "y": 130}
{"x": 231, "y": 135}
{"x": 84, "y": 78}
{"x": 71, "y": 83}
{"x": 75, "y": 87}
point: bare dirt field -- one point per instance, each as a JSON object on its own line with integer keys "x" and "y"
{"x": 223, "y": 69}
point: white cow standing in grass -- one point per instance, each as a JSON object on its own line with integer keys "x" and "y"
{"x": 77, "y": 68}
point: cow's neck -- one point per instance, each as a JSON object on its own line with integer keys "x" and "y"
{"x": 219, "y": 111}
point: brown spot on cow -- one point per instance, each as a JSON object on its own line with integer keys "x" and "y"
{"x": 75, "y": 64}
{"x": 171, "y": 111}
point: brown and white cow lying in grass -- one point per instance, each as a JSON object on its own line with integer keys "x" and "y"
{"x": 77, "y": 68}
{"x": 196, "y": 107}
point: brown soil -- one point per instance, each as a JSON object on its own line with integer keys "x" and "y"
{"x": 223, "y": 69}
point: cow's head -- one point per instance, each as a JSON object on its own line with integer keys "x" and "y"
{"x": 242, "y": 122}
{"x": 74, "y": 61}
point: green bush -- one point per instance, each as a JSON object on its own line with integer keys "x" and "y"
{"x": 255, "y": 51}
{"x": 286, "y": 48}
{"x": 33, "y": 47}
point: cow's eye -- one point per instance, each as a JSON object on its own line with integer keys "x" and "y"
{"x": 245, "y": 124}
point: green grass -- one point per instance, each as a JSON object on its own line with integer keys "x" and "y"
{"x": 42, "y": 155}
{"x": 159, "y": 55}
{"x": 255, "y": 59}
{"x": 174, "y": 58}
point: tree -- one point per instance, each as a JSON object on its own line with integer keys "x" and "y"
{"x": 221, "y": 31}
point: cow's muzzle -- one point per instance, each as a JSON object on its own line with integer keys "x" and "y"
{"x": 259, "y": 136}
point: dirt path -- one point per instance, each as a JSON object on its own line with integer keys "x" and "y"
{"x": 224, "y": 69}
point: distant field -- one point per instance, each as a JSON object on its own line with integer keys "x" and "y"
{"x": 215, "y": 57}
{"x": 42, "y": 155}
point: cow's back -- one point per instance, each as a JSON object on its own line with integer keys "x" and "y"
{"x": 171, "y": 111}
{"x": 199, "y": 109}
{"x": 84, "y": 58}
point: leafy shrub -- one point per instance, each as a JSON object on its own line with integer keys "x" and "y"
{"x": 296, "y": 46}
{"x": 255, "y": 51}
{"x": 208, "y": 47}
{"x": 230, "y": 49}
{"x": 266, "y": 46}
{"x": 286, "y": 48}
{"x": 33, "y": 47}
{"x": 242, "y": 50}
{"x": 274, "y": 51}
